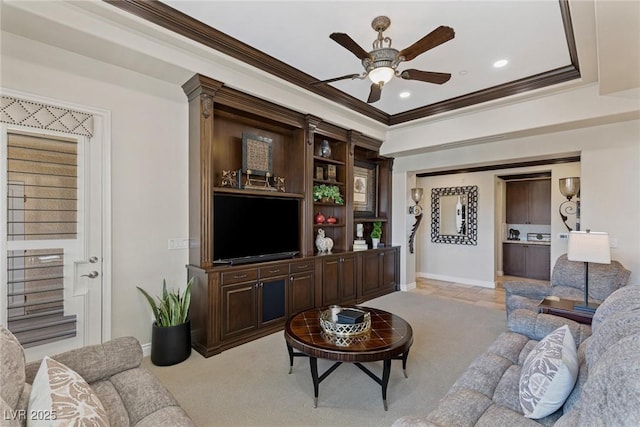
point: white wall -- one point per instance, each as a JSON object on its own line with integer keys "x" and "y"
{"x": 149, "y": 166}
{"x": 610, "y": 195}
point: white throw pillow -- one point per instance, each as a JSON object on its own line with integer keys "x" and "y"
{"x": 61, "y": 397}
{"x": 548, "y": 374}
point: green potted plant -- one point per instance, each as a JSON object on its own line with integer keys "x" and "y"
{"x": 171, "y": 330}
{"x": 327, "y": 194}
{"x": 376, "y": 234}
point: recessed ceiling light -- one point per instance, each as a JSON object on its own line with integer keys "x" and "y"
{"x": 404, "y": 94}
{"x": 501, "y": 63}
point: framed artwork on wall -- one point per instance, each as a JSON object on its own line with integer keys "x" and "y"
{"x": 364, "y": 188}
{"x": 257, "y": 155}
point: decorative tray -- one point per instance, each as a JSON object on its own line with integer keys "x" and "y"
{"x": 332, "y": 327}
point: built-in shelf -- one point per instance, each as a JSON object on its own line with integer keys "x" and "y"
{"x": 327, "y": 225}
{"x": 368, "y": 219}
{"x": 246, "y": 192}
{"x": 328, "y": 160}
{"x": 325, "y": 181}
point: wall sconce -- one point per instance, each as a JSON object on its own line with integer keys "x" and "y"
{"x": 570, "y": 187}
{"x": 415, "y": 210}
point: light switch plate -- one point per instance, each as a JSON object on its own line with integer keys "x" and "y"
{"x": 182, "y": 243}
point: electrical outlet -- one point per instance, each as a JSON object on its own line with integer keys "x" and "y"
{"x": 175, "y": 244}
{"x": 613, "y": 242}
{"x": 563, "y": 236}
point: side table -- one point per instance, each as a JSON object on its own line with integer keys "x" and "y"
{"x": 564, "y": 308}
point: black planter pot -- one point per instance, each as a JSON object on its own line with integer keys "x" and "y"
{"x": 171, "y": 344}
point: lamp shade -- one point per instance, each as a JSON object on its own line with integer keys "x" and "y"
{"x": 381, "y": 74}
{"x": 588, "y": 246}
{"x": 569, "y": 187}
{"x": 416, "y": 194}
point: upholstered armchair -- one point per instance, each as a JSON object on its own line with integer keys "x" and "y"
{"x": 567, "y": 281}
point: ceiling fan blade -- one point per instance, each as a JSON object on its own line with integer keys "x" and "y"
{"x": 434, "y": 38}
{"x": 426, "y": 76}
{"x": 347, "y": 42}
{"x": 335, "y": 79}
{"x": 374, "y": 94}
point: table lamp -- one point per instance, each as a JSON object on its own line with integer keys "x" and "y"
{"x": 588, "y": 246}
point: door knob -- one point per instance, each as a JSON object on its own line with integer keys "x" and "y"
{"x": 93, "y": 259}
{"x": 91, "y": 275}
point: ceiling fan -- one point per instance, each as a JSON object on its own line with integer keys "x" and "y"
{"x": 381, "y": 63}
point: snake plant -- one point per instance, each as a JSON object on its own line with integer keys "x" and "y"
{"x": 172, "y": 308}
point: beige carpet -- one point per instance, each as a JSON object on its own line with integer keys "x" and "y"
{"x": 249, "y": 385}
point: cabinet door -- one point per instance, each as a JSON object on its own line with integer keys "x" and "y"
{"x": 239, "y": 310}
{"x": 370, "y": 273}
{"x": 331, "y": 281}
{"x": 538, "y": 262}
{"x": 517, "y": 202}
{"x": 301, "y": 291}
{"x": 273, "y": 300}
{"x": 348, "y": 279}
{"x": 388, "y": 264}
{"x": 540, "y": 202}
{"x": 513, "y": 259}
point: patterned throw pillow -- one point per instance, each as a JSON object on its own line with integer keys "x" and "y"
{"x": 60, "y": 397}
{"x": 548, "y": 374}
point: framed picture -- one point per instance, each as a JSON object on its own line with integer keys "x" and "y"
{"x": 257, "y": 155}
{"x": 365, "y": 188}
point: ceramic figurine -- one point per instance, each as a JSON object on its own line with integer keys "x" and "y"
{"x": 324, "y": 244}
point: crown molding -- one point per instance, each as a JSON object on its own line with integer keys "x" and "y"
{"x": 165, "y": 16}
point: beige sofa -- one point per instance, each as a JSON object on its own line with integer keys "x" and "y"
{"x": 567, "y": 281}
{"x": 607, "y": 390}
{"x": 130, "y": 394}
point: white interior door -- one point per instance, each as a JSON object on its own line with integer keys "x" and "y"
{"x": 52, "y": 260}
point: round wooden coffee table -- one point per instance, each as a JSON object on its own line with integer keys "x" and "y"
{"x": 389, "y": 339}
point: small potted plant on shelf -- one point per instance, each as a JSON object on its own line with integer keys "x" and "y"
{"x": 327, "y": 194}
{"x": 171, "y": 330}
{"x": 376, "y": 234}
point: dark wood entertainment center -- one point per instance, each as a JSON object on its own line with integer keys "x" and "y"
{"x": 234, "y": 304}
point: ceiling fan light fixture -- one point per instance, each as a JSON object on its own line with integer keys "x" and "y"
{"x": 381, "y": 74}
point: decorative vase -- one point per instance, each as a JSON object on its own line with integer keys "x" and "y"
{"x": 319, "y": 218}
{"x": 170, "y": 344}
{"x": 325, "y": 149}
{"x": 374, "y": 242}
{"x": 332, "y": 220}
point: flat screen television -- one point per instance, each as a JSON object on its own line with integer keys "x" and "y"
{"x": 249, "y": 228}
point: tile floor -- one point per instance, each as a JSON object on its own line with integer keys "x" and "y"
{"x": 476, "y": 295}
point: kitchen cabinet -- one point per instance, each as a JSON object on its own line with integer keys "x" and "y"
{"x": 529, "y": 202}
{"x": 523, "y": 260}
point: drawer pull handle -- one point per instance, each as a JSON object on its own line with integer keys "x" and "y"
{"x": 277, "y": 270}
{"x": 239, "y": 276}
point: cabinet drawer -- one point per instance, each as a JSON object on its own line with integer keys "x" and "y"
{"x": 239, "y": 276}
{"x": 302, "y": 266}
{"x": 274, "y": 270}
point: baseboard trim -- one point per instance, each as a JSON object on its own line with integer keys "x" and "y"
{"x": 408, "y": 286}
{"x": 146, "y": 349}
{"x": 461, "y": 280}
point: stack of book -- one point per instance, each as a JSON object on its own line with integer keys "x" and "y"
{"x": 350, "y": 317}
{"x": 360, "y": 245}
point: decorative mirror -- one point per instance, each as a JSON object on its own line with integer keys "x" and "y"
{"x": 454, "y": 215}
